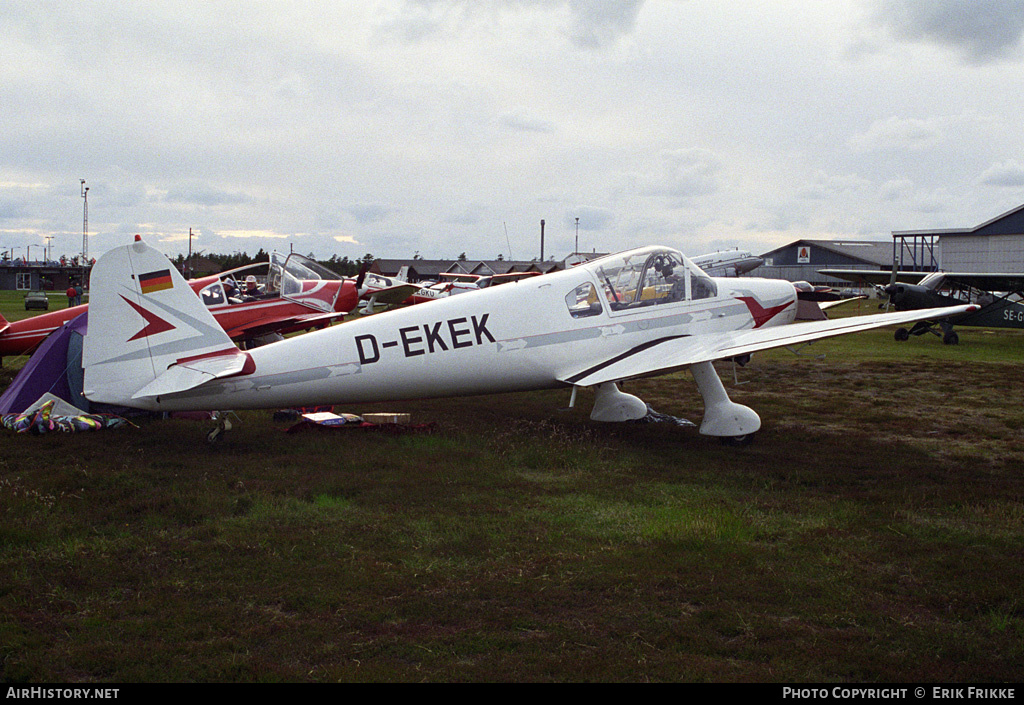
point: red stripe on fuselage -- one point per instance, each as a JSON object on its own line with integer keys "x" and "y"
{"x": 761, "y": 314}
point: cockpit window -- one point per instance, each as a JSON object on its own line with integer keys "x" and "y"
{"x": 701, "y": 285}
{"x": 666, "y": 278}
{"x": 651, "y": 278}
{"x": 583, "y": 301}
{"x": 287, "y": 272}
{"x": 212, "y": 294}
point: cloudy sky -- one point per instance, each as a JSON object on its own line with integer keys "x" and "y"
{"x": 437, "y": 127}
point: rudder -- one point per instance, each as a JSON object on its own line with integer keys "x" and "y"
{"x": 143, "y": 318}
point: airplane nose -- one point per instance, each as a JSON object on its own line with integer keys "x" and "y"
{"x": 894, "y": 292}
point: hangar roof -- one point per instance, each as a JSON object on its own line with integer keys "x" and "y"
{"x": 1009, "y": 223}
{"x": 871, "y": 252}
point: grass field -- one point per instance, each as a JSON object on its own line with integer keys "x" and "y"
{"x": 12, "y": 304}
{"x": 873, "y": 532}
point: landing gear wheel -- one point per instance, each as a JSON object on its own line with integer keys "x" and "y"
{"x": 902, "y": 334}
{"x": 950, "y": 338}
{"x": 223, "y": 426}
{"x": 737, "y": 441}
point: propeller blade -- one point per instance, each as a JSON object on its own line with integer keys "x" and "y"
{"x": 360, "y": 278}
{"x": 891, "y": 289}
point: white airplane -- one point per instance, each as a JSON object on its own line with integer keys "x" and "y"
{"x": 639, "y": 313}
{"x": 377, "y": 289}
{"x": 728, "y": 263}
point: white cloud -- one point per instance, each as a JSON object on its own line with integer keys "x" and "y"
{"x": 685, "y": 173}
{"x": 589, "y": 24}
{"x": 598, "y": 23}
{"x": 520, "y": 122}
{"x": 896, "y": 189}
{"x": 1009, "y": 173}
{"x": 981, "y": 30}
{"x": 203, "y": 194}
{"x": 895, "y": 133}
{"x": 253, "y": 234}
{"x": 370, "y": 213}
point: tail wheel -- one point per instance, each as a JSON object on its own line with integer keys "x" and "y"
{"x": 737, "y": 441}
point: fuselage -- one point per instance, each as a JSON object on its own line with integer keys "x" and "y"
{"x": 993, "y": 311}
{"x": 22, "y": 336}
{"x": 527, "y": 335}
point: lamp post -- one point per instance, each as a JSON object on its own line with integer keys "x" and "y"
{"x": 85, "y": 223}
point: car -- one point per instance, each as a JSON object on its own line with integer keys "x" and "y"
{"x": 37, "y": 299}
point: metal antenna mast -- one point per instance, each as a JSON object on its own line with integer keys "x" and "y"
{"x": 85, "y": 223}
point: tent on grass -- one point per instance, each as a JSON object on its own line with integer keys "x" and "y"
{"x": 54, "y": 368}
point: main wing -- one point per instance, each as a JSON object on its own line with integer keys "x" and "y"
{"x": 873, "y": 276}
{"x": 986, "y": 281}
{"x": 393, "y": 294}
{"x": 665, "y": 355}
{"x": 283, "y": 324}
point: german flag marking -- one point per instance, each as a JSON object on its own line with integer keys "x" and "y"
{"x": 155, "y": 281}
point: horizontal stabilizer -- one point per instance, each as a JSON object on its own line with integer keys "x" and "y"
{"x": 188, "y": 375}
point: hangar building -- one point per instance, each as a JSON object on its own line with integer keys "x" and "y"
{"x": 996, "y": 246}
{"x": 801, "y": 260}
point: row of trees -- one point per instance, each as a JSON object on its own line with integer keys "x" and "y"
{"x": 344, "y": 266}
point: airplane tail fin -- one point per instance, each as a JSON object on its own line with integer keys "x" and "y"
{"x": 4, "y": 323}
{"x": 147, "y": 330}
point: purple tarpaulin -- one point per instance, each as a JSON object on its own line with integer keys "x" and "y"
{"x": 55, "y": 367}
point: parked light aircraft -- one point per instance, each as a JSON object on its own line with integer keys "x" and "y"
{"x": 912, "y": 291}
{"x": 635, "y": 314}
{"x": 297, "y": 293}
{"x": 390, "y": 290}
{"x": 378, "y": 289}
{"x": 728, "y": 263}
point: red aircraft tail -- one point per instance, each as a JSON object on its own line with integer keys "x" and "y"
{"x": 4, "y": 325}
